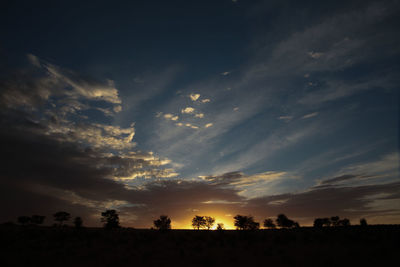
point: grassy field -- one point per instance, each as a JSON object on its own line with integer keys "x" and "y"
{"x": 347, "y": 246}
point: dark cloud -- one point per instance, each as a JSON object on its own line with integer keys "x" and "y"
{"x": 224, "y": 179}
{"x": 53, "y": 162}
{"x": 352, "y": 202}
{"x": 342, "y": 178}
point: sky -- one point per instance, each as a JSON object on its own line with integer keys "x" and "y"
{"x": 211, "y": 108}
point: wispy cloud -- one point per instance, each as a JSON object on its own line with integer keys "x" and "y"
{"x": 82, "y": 87}
{"x": 310, "y": 115}
{"x": 249, "y": 186}
{"x": 315, "y": 55}
{"x": 208, "y": 125}
{"x": 285, "y": 118}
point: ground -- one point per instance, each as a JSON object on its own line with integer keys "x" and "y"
{"x": 67, "y": 246}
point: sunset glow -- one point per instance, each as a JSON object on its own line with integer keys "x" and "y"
{"x": 211, "y": 108}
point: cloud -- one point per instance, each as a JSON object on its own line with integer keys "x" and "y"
{"x": 350, "y": 202}
{"x": 259, "y": 177}
{"x": 83, "y": 87}
{"x": 315, "y": 55}
{"x": 225, "y": 73}
{"x": 235, "y": 109}
{"x": 199, "y": 115}
{"x": 93, "y": 134}
{"x": 285, "y": 118}
{"x": 58, "y": 160}
{"x": 387, "y": 166}
{"x": 206, "y": 100}
{"x": 194, "y": 97}
{"x": 335, "y": 89}
{"x": 259, "y": 151}
{"x": 66, "y": 89}
{"x": 187, "y": 110}
{"x": 147, "y": 174}
{"x": 34, "y": 60}
{"x": 238, "y": 178}
{"x": 117, "y": 109}
{"x": 208, "y": 125}
{"x": 191, "y": 126}
{"x": 171, "y": 117}
{"x": 342, "y": 178}
{"x": 223, "y": 179}
{"x": 250, "y": 186}
{"x": 310, "y": 115}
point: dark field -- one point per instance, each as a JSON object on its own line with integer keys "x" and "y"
{"x": 347, "y": 246}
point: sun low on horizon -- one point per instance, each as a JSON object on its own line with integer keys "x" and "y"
{"x": 226, "y": 221}
{"x": 210, "y": 108}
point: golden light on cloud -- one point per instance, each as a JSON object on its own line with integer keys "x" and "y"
{"x": 208, "y": 125}
{"x": 187, "y": 110}
{"x": 191, "y": 126}
{"x": 194, "y": 97}
{"x": 200, "y": 115}
{"x": 170, "y": 116}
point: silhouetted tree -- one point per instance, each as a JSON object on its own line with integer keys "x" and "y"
{"x": 37, "y": 219}
{"x": 318, "y": 223}
{"x": 344, "y": 222}
{"x": 199, "y": 222}
{"x": 24, "y": 220}
{"x": 321, "y": 222}
{"x": 220, "y": 226}
{"x": 61, "y": 216}
{"x": 326, "y": 222}
{"x": 78, "y": 222}
{"x": 110, "y": 219}
{"x": 163, "y": 223}
{"x": 363, "y": 222}
{"x": 245, "y": 223}
{"x": 253, "y": 225}
{"x": 209, "y": 222}
{"x": 284, "y": 222}
{"x": 335, "y": 220}
{"x": 240, "y": 222}
{"x": 269, "y": 223}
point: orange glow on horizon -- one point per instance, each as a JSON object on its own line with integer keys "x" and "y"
{"x": 187, "y": 223}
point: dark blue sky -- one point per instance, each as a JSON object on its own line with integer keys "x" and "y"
{"x": 275, "y": 98}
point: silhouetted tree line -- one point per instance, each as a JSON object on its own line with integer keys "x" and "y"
{"x": 334, "y": 221}
{"x": 110, "y": 218}
{"x": 34, "y": 220}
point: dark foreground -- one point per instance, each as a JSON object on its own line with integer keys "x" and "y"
{"x": 350, "y": 246}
